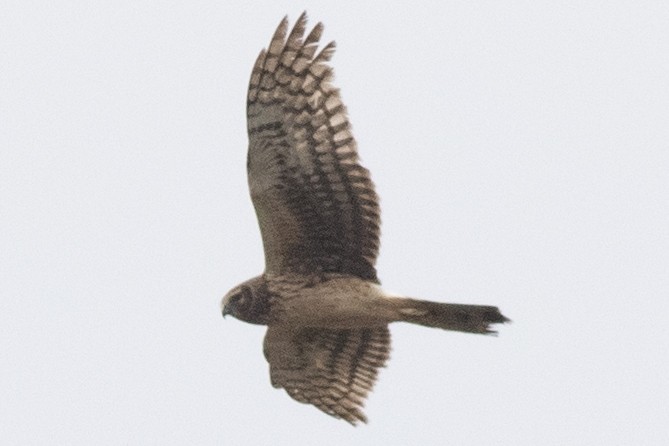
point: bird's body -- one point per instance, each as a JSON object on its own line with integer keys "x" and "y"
{"x": 329, "y": 301}
{"x": 318, "y": 212}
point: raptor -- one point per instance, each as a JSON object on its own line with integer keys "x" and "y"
{"x": 326, "y": 315}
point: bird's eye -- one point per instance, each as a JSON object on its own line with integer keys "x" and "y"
{"x": 240, "y": 298}
{"x": 237, "y": 298}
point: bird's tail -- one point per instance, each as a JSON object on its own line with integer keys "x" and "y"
{"x": 456, "y": 317}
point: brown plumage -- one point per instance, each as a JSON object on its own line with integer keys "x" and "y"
{"x": 316, "y": 205}
{"x": 319, "y": 216}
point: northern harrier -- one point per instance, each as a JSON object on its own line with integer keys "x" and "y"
{"x": 319, "y": 296}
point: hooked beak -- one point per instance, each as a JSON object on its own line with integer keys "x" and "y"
{"x": 226, "y": 309}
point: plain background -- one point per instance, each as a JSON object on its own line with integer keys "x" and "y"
{"x": 520, "y": 150}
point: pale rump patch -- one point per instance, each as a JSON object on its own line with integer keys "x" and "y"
{"x": 412, "y": 312}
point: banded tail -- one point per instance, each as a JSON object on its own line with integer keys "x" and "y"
{"x": 456, "y": 317}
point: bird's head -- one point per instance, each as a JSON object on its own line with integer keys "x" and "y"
{"x": 246, "y": 301}
{"x": 236, "y": 299}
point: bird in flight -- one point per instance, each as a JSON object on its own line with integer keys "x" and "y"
{"x": 326, "y": 315}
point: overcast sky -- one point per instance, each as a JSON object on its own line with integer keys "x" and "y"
{"x": 521, "y": 152}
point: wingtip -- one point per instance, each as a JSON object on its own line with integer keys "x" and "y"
{"x": 356, "y": 418}
{"x": 280, "y": 32}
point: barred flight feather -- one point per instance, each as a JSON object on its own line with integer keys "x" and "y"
{"x": 316, "y": 205}
{"x": 332, "y": 369}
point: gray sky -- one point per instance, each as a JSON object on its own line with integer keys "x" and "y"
{"x": 521, "y": 152}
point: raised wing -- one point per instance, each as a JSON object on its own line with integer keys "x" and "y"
{"x": 333, "y": 369}
{"x": 316, "y": 205}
